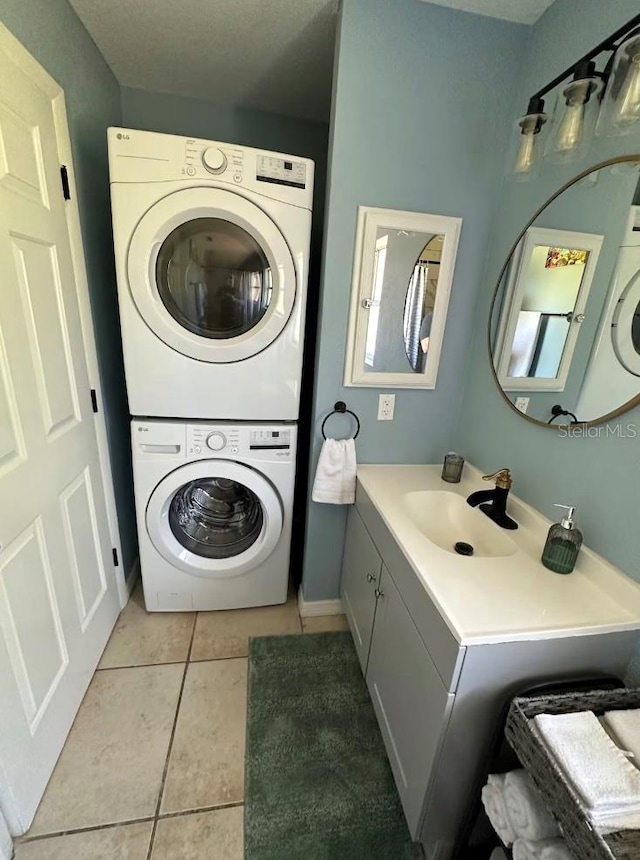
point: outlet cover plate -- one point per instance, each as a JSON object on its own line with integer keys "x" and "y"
{"x": 386, "y": 407}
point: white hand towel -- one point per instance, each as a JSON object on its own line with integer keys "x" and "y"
{"x": 625, "y": 725}
{"x": 605, "y": 779}
{"x": 494, "y": 805}
{"x": 545, "y": 849}
{"x": 527, "y": 810}
{"x": 335, "y": 481}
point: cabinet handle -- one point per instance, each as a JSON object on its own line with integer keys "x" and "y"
{"x": 371, "y": 577}
{"x": 379, "y": 592}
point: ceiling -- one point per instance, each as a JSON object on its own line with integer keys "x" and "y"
{"x": 520, "y": 11}
{"x": 270, "y": 55}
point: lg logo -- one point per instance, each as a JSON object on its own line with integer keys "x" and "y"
{"x": 121, "y": 136}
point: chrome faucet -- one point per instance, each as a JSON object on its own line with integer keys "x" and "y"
{"x": 493, "y": 503}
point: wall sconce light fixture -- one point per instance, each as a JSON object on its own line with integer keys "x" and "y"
{"x": 583, "y": 101}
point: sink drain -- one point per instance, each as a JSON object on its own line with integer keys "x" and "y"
{"x": 463, "y": 548}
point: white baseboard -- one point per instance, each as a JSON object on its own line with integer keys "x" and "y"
{"x": 310, "y": 608}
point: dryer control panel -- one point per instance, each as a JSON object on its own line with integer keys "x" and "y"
{"x": 141, "y": 157}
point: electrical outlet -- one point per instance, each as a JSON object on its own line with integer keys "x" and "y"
{"x": 522, "y": 404}
{"x": 386, "y": 406}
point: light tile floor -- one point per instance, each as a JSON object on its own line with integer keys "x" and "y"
{"x": 153, "y": 768}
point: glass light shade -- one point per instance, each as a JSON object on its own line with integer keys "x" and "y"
{"x": 574, "y": 120}
{"x": 527, "y": 146}
{"x": 620, "y": 112}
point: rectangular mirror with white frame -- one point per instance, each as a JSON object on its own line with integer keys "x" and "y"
{"x": 402, "y": 274}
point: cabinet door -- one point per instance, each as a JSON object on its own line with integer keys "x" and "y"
{"x": 410, "y": 700}
{"x": 361, "y": 568}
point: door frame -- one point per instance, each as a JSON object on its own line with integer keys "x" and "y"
{"x": 30, "y": 66}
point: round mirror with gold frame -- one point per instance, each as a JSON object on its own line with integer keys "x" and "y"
{"x": 564, "y": 324}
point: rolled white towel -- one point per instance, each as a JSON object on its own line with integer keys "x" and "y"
{"x": 605, "y": 779}
{"x": 625, "y": 725}
{"x": 527, "y": 810}
{"x": 544, "y": 849}
{"x": 624, "y": 821}
{"x": 493, "y": 801}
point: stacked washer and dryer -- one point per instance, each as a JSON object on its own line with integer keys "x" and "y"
{"x": 212, "y": 254}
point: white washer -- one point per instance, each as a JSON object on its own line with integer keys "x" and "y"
{"x": 212, "y": 251}
{"x": 213, "y": 504}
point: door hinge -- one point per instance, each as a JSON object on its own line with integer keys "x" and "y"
{"x": 64, "y": 176}
{"x": 116, "y": 563}
{"x": 94, "y": 400}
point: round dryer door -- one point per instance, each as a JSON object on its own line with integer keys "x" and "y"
{"x": 214, "y": 518}
{"x": 625, "y": 330}
{"x": 211, "y": 274}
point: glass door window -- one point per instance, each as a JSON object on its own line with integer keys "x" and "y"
{"x": 214, "y": 278}
{"x": 216, "y": 517}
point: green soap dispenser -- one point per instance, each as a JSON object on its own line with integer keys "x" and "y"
{"x": 563, "y": 544}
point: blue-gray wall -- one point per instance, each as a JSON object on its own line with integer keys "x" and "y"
{"x": 419, "y": 121}
{"x": 599, "y": 475}
{"x": 52, "y": 32}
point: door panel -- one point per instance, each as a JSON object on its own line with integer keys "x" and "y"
{"x": 361, "y": 568}
{"x": 58, "y": 593}
{"x": 38, "y": 273}
{"x": 30, "y": 620}
{"x": 21, "y": 162}
{"x": 409, "y": 698}
{"x": 83, "y": 546}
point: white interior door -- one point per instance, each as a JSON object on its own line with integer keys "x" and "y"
{"x": 58, "y": 592}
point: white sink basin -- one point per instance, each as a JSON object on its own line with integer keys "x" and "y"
{"x": 445, "y": 519}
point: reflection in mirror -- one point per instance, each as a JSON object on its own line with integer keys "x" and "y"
{"x": 548, "y": 282}
{"x": 405, "y": 281}
{"x": 420, "y": 302}
{"x": 565, "y": 324}
{"x": 402, "y": 277}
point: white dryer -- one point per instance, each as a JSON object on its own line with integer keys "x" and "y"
{"x": 214, "y": 506}
{"x": 212, "y": 251}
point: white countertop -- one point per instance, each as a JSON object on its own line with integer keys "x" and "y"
{"x": 514, "y": 597}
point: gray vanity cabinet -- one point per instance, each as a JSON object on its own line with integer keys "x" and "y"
{"x": 360, "y": 578}
{"x": 409, "y": 698}
{"x": 438, "y": 702}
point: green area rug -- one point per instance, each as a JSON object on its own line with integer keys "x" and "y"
{"x": 319, "y": 786}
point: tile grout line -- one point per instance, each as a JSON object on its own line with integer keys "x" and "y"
{"x": 163, "y": 816}
{"x": 231, "y": 805}
{"x": 172, "y": 663}
{"x": 171, "y": 739}
{"x": 39, "y": 837}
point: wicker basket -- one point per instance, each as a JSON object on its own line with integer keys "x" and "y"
{"x": 522, "y": 734}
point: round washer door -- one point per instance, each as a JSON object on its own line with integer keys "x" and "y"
{"x": 214, "y": 518}
{"x": 211, "y": 275}
{"x": 625, "y": 331}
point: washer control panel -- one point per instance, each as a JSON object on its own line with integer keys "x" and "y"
{"x": 270, "y": 440}
{"x": 202, "y": 439}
